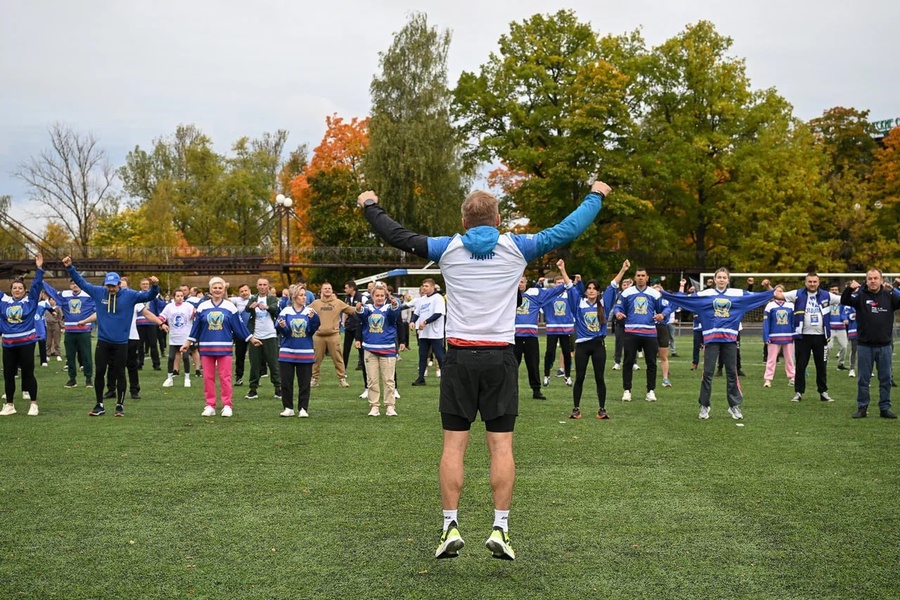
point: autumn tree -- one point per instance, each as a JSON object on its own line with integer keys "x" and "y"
{"x": 73, "y": 181}
{"x": 883, "y": 213}
{"x": 552, "y": 108}
{"x": 414, "y": 161}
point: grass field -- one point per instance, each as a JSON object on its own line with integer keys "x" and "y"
{"x": 799, "y": 502}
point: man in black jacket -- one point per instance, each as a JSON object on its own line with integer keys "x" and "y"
{"x": 875, "y": 305}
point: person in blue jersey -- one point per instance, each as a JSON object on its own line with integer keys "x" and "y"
{"x": 640, "y": 309}
{"x": 297, "y": 323}
{"x": 591, "y": 310}
{"x": 378, "y": 321}
{"x": 76, "y": 305}
{"x": 17, "y": 313}
{"x": 812, "y": 329}
{"x": 114, "y": 315}
{"x": 481, "y": 269}
{"x": 838, "y": 320}
{"x": 778, "y": 336}
{"x": 533, "y": 300}
{"x": 216, "y": 323}
{"x": 720, "y": 309}
{"x": 618, "y": 329}
{"x": 560, "y": 325}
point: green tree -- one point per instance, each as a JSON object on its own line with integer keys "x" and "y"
{"x": 883, "y": 213}
{"x": 414, "y": 160}
{"x": 554, "y": 110}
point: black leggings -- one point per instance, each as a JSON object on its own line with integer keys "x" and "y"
{"x": 15, "y": 358}
{"x": 174, "y": 352}
{"x": 593, "y": 350}
{"x": 550, "y": 354}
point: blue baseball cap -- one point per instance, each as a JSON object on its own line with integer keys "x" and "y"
{"x": 112, "y": 279}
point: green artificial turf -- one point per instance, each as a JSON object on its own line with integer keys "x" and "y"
{"x": 795, "y": 501}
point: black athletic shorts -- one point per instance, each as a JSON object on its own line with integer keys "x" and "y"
{"x": 662, "y": 334}
{"x": 480, "y": 379}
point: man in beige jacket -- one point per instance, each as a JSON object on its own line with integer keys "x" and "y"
{"x": 328, "y": 336}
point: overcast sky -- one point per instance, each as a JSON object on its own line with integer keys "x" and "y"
{"x": 131, "y": 71}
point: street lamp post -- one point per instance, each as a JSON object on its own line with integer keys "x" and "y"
{"x": 283, "y": 206}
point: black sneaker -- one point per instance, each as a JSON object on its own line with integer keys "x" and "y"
{"x": 71, "y": 383}
{"x": 157, "y": 368}
{"x": 198, "y": 373}
{"x": 575, "y": 414}
{"x": 888, "y": 414}
{"x": 175, "y": 373}
{"x": 419, "y": 381}
{"x": 841, "y": 367}
{"x": 537, "y": 395}
{"x": 824, "y": 397}
{"x": 97, "y": 411}
{"x": 278, "y": 394}
{"x": 602, "y": 414}
{"x": 89, "y": 383}
{"x": 120, "y": 410}
{"x": 239, "y": 382}
{"x": 860, "y": 413}
{"x": 251, "y": 395}
{"x": 109, "y": 394}
{"x": 135, "y": 395}
{"x": 741, "y": 373}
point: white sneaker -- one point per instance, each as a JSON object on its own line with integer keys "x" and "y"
{"x": 343, "y": 383}
{"x": 704, "y": 412}
{"x": 209, "y": 411}
{"x": 288, "y": 412}
{"x": 8, "y": 409}
{"x": 26, "y": 396}
{"x": 636, "y": 367}
{"x": 396, "y": 394}
{"x": 33, "y": 410}
{"x": 187, "y": 381}
{"x": 650, "y": 397}
{"x": 59, "y": 359}
{"x": 226, "y": 411}
{"x": 852, "y": 373}
{"x": 735, "y": 412}
{"x": 767, "y": 383}
{"x": 437, "y": 373}
{"x": 303, "y": 414}
{"x": 616, "y": 366}
{"x": 430, "y": 363}
{"x": 374, "y": 412}
{"x": 569, "y": 381}
{"x": 314, "y": 383}
{"x": 626, "y": 396}
{"x": 169, "y": 382}
{"x": 546, "y": 381}
{"x": 43, "y": 364}
{"x": 364, "y": 395}
{"x": 391, "y": 411}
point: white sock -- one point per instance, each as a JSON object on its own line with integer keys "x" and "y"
{"x": 501, "y": 519}
{"x": 449, "y": 517}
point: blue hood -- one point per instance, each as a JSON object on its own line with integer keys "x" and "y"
{"x": 481, "y": 240}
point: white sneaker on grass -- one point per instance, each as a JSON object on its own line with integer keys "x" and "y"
{"x": 438, "y": 373}
{"x": 187, "y": 381}
{"x": 735, "y": 412}
{"x": 569, "y": 381}
{"x": 852, "y": 373}
{"x": 8, "y": 409}
{"x": 226, "y": 411}
{"x": 704, "y": 412}
{"x": 26, "y": 396}
{"x": 374, "y": 412}
{"x": 208, "y": 411}
{"x": 650, "y": 397}
{"x": 636, "y": 367}
{"x": 626, "y": 396}
{"x": 616, "y": 366}
{"x": 364, "y": 395}
{"x": 396, "y": 394}
{"x": 303, "y": 414}
{"x": 391, "y": 411}
{"x": 169, "y": 382}
{"x": 288, "y": 412}
{"x": 33, "y": 410}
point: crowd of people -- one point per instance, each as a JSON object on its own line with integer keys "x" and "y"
{"x": 476, "y": 337}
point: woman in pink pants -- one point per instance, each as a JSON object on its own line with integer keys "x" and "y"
{"x": 215, "y": 324}
{"x": 778, "y": 334}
